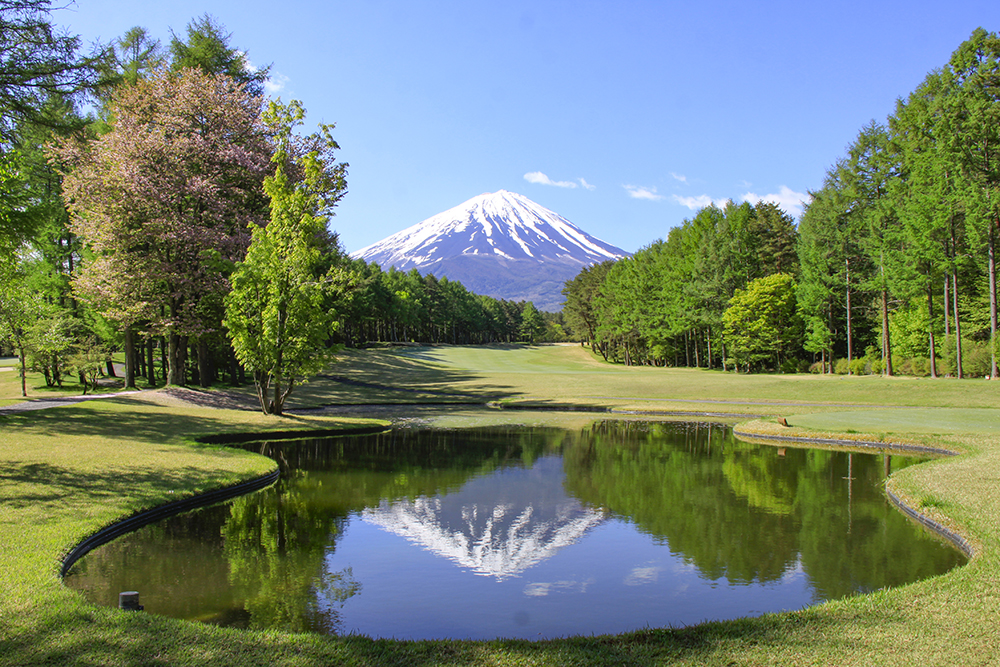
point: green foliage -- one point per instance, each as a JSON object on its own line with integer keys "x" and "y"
{"x": 37, "y": 61}
{"x": 532, "y": 324}
{"x": 131, "y": 57}
{"x": 275, "y": 312}
{"x": 207, "y": 48}
{"x": 761, "y": 324}
{"x": 664, "y": 305}
{"x": 88, "y": 359}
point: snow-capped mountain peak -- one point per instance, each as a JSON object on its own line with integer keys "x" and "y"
{"x": 500, "y": 244}
{"x": 504, "y": 224}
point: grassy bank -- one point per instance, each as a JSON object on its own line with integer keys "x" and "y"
{"x": 68, "y": 471}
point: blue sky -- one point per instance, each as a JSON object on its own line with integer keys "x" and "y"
{"x": 625, "y": 117}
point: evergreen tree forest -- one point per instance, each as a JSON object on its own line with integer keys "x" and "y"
{"x": 891, "y": 268}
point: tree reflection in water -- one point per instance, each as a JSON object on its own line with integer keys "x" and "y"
{"x": 502, "y": 501}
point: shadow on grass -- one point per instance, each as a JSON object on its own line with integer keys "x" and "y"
{"x": 394, "y": 377}
{"x": 138, "y": 419}
{"x": 86, "y": 636}
{"x": 27, "y": 484}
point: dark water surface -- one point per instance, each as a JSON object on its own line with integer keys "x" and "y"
{"x": 525, "y": 532}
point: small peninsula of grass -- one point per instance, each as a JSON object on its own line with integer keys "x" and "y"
{"x": 71, "y": 470}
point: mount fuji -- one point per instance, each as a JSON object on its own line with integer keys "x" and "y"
{"x": 499, "y": 244}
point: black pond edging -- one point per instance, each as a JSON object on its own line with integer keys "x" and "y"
{"x": 602, "y": 409}
{"x": 233, "y": 438}
{"x": 957, "y": 540}
{"x": 960, "y": 542}
{"x": 435, "y": 404}
{"x": 146, "y": 517}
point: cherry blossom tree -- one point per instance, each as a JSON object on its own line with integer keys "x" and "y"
{"x": 166, "y": 200}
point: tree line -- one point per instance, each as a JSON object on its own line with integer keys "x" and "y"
{"x": 890, "y": 269}
{"x": 184, "y": 220}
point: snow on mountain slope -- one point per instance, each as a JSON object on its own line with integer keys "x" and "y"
{"x": 503, "y": 224}
{"x": 499, "y": 244}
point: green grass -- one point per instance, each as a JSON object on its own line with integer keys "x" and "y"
{"x": 68, "y": 471}
{"x": 570, "y": 374}
{"x": 925, "y": 420}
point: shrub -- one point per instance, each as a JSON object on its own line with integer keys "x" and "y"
{"x": 918, "y": 366}
{"x": 859, "y": 366}
{"x": 976, "y": 358}
{"x": 841, "y": 366}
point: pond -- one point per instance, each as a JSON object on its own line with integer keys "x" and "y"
{"x": 530, "y": 532}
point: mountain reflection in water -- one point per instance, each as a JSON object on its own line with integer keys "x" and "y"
{"x": 499, "y": 525}
{"x": 525, "y": 532}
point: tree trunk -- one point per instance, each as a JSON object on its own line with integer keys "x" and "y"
{"x": 947, "y": 323}
{"x": 150, "y": 368}
{"x": 176, "y": 352}
{"x": 708, "y": 342}
{"x": 204, "y": 364}
{"x": 233, "y": 368}
{"x": 24, "y": 371}
{"x": 993, "y": 303}
{"x": 958, "y": 327}
{"x": 930, "y": 328}
{"x": 164, "y": 364}
{"x": 886, "y": 343}
{"x": 850, "y": 348}
{"x": 129, "y": 358}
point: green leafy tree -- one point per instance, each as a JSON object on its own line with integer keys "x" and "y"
{"x": 133, "y": 56}
{"x": 971, "y": 108}
{"x": 827, "y": 252}
{"x": 580, "y": 293}
{"x": 871, "y": 171}
{"x": 15, "y": 227}
{"x": 532, "y": 324}
{"x": 761, "y": 324}
{"x": 207, "y": 48}
{"x": 88, "y": 360}
{"x": 18, "y": 310}
{"x": 37, "y": 61}
{"x": 275, "y": 313}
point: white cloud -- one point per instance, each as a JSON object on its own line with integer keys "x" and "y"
{"x": 679, "y": 177}
{"x": 640, "y": 192}
{"x": 790, "y": 201}
{"x": 275, "y": 83}
{"x": 699, "y": 202}
{"x": 541, "y": 179}
{"x": 543, "y": 588}
{"x": 640, "y": 576}
{"x": 586, "y": 184}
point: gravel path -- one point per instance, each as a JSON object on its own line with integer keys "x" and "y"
{"x": 43, "y": 403}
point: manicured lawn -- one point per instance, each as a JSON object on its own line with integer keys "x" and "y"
{"x": 906, "y": 420}
{"x": 553, "y": 374}
{"x": 68, "y": 471}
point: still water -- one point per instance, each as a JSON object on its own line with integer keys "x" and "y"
{"x": 525, "y": 532}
